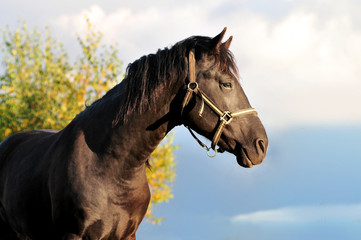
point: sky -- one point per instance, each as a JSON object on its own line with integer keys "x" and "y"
{"x": 300, "y": 67}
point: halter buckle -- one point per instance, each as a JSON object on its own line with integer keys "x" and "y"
{"x": 226, "y": 118}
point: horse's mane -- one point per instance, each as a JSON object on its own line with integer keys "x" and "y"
{"x": 149, "y": 75}
{"x": 146, "y": 77}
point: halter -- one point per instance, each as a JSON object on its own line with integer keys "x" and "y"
{"x": 225, "y": 117}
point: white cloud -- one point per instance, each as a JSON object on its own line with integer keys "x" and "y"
{"x": 301, "y": 69}
{"x": 138, "y": 32}
{"x": 305, "y": 214}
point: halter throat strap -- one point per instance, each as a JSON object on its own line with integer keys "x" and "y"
{"x": 225, "y": 117}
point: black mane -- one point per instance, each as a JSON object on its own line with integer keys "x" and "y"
{"x": 146, "y": 77}
{"x": 149, "y": 75}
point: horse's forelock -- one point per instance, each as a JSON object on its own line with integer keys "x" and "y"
{"x": 226, "y": 62}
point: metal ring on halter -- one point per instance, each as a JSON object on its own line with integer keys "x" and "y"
{"x": 202, "y": 144}
{"x": 193, "y": 83}
{"x": 215, "y": 153}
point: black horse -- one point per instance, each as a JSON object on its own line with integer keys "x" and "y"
{"x": 88, "y": 180}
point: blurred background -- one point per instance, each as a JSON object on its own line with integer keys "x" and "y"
{"x": 299, "y": 63}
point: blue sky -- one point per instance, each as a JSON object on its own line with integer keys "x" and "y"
{"x": 300, "y": 67}
{"x": 307, "y": 188}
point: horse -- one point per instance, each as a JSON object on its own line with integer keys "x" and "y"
{"x": 88, "y": 180}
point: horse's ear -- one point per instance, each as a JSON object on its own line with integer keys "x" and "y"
{"x": 217, "y": 40}
{"x": 228, "y": 43}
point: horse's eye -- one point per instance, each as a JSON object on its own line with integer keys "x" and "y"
{"x": 227, "y": 85}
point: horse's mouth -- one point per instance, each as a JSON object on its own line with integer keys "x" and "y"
{"x": 243, "y": 159}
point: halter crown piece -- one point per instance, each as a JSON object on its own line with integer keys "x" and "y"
{"x": 225, "y": 117}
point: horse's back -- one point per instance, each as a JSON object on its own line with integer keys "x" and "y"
{"x": 24, "y": 144}
{"x": 21, "y": 172}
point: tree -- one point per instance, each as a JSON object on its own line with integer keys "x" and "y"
{"x": 40, "y": 89}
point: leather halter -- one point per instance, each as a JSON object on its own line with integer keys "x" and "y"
{"x": 225, "y": 117}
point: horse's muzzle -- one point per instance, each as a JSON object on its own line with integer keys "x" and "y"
{"x": 249, "y": 157}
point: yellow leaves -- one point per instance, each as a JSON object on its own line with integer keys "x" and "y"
{"x": 103, "y": 73}
{"x": 161, "y": 175}
{"x": 7, "y": 89}
{"x": 63, "y": 108}
{"x": 7, "y": 132}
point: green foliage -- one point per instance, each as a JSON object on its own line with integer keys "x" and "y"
{"x": 40, "y": 89}
{"x": 34, "y": 83}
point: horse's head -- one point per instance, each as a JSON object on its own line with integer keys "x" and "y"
{"x": 216, "y": 106}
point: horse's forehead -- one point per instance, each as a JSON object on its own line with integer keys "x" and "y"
{"x": 218, "y": 75}
{"x": 210, "y": 69}
{"x": 206, "y": 62}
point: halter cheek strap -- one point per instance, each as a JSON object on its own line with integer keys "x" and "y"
{"x": 225, "y": 117}
{"x": 192, "y": 85}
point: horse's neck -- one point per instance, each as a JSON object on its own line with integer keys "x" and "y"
{"x": 129, "y": 144}
{"x": 135, "y": 140}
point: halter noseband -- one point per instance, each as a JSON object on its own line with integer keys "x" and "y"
{"x": 225, "y": 117}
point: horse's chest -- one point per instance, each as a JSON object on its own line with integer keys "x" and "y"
{"x": 111, "y": 205}
{"x": 121, "y": 213}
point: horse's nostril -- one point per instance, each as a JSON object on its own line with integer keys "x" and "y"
{"x": 261, "y": 145}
